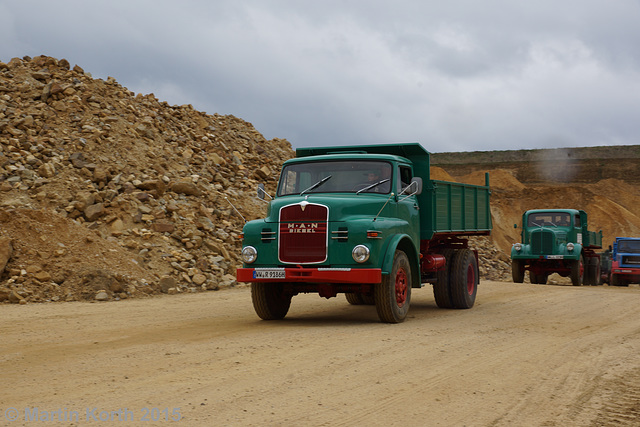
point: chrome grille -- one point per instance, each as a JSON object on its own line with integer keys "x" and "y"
{"x": 631, "y": 260}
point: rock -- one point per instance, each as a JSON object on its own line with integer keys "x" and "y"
{"x": 188, "y": 188}
{"x": 102, "y": 296}
{"x": 100, "y": 174}
{"x": 167, "y": 283}
{"x": 156, "y": 185}
{"x": 78, "y": 160}
{"x": 216, "y": 159}
{"x": 42, "y": 276}
{"x": 227, "y": 281}
{"x": 144, "y": 131}
{"x": 163, "y": 227}
{"x": 199, "y": 279}
{"x": 93, "y": 212}
{"x": 98, "y": 279}
{"x": 6, "y": 250}
{"x": 43, "y": 74}
{"x": 15, "y": 297}
{"x": 47, "y": 170}
{"x": 56, "y": 88}
{"x": 264, "y": 172}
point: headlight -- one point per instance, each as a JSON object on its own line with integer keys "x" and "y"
{"x": 570, "y": 246}
{"x": 518, "y": 247}
{"x": 249, "y": 254}
{"x": 360, "y": 253}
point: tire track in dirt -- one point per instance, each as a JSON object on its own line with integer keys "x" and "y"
{"x": 620, "y": 400}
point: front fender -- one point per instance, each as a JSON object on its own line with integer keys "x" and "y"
{"x": 404, "y": 243}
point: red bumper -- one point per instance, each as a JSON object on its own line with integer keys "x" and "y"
{"x": 630, "y": 273}
{"x": 310, "y": 275}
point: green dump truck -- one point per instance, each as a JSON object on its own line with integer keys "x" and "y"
{"x": 366, "y": 221}
{"x": 557, "y": 241}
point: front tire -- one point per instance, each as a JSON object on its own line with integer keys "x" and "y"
{"x": 517, "y": 270}
{"x": 464, "y": 280}
{"x": 269, "y": 300}
{"x": 393, "y": 295}
{"x": 614, "y": 280}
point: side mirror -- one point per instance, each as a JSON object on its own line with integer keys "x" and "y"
{"x": 261, "y": 191}
{"x": 515, "y": 225}
{"x": 416, "y": 185}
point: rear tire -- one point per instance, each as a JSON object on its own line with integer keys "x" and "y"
{"x": 538, "y": 279}
{"x": 464, "y": 280}
{"x": 354, "y": 298}
{"x": 533, "y": 278}
{"x": 517, "y": 270}
{"x": 442, "y": 288}
{"x": 269, "y": 300}
{"x": 393, "y": 295}
{"x": 368, "y": 299}
{"x": 577, "y": 271}
{"x": 593, "y": 272}
{"x": 359, "y": 299}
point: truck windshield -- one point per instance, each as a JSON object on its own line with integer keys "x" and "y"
{"x": 629, "y": 246}
{"x": 346, "y": 176}
{"x": 545, "y": 219}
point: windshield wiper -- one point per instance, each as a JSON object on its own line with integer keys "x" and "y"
{"x": 375, "y": 184}
{"x": 316, "y": 185}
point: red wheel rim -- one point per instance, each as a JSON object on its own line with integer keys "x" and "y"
{"x": 471, "y": 279}
{"x": 401, "y": 287}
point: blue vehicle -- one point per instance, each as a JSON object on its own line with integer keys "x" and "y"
{"x": 625, "y": 261}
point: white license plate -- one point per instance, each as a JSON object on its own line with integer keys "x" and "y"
{"x": 273, "y": 273}
{"x": 555, "y": 256}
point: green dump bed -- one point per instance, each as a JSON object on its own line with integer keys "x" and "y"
{"x": 454, "y": 208}
{"x": 445, "y": 207}
{"x": 592, "y": 239}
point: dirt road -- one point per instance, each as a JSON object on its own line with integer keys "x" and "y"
{"x": 524, "y": 355}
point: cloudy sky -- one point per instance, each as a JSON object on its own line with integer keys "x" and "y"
{"x": 462, "y": 75}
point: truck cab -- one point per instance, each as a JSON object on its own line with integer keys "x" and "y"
{"x": 625, "y": 261}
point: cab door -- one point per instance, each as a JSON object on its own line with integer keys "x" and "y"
{"x": 407, "y": 202}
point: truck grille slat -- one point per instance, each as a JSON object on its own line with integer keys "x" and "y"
{"x": 267, "y": 235}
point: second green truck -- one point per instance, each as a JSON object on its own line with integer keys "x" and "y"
{"x": 557, "y": 241}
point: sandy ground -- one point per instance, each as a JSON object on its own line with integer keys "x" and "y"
{"x": 524, "y": 355}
